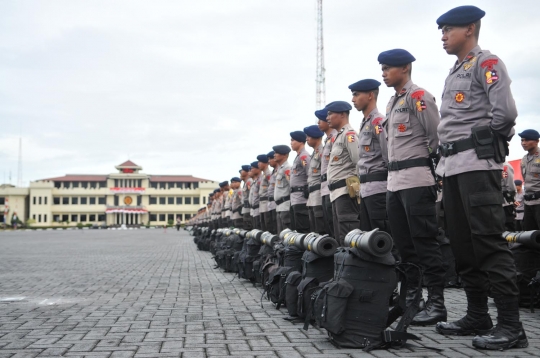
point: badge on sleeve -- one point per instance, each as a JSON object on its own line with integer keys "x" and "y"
{"x": 419, "y": 97}
{"x": 491, "y": 74}
{"x": 288, "y": 174}
{"x": 459, "y": 97}
{"x": 303, "y": 159}
{"x": 350, "y": 136}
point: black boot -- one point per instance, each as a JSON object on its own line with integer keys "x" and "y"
{"x": 411, "y": 293}
{"x": 476, "y": 322}
{"x": 435, "y": 310}
{"x": 509, "y": 331}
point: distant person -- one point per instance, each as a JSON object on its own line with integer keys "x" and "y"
{"x": 178, "y": 223}
{"x": 14, "y": 220}
{"x": 520, "y": 204}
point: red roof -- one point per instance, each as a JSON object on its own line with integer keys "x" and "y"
{"x": 176, "y": 178}
{"x": 129, "y": 163}
{"x": 78, "y": 177}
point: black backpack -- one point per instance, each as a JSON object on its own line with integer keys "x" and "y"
{"x": 291, "y": 292}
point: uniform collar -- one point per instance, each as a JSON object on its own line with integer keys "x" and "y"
{"x": 370, "y": 116}
{"x": 470, "y": 57}
{"x": 405, "y": 89}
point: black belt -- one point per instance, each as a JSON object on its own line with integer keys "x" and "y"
{"x": 283, "y": 199}
{"x": 532, "y": 196}
{"x": 255, "y": 206}
{"x": 520, "y": 211}
{"x": 263, "y": 198}
{"x": 324, "y": 177}
{"x": 380, "y": 176}
{"x": 448, "y": 149}
{"x": 270, "y": 198}
{"x": 224, "y": 210}
{"x": 246, "y": 205}
{"x": 314, "y": 188}
{"x": 339, "y": 184}
{"x": 409, "y": 163}
{"x": 237, "y": 210}
{"x": 295, "y": 189}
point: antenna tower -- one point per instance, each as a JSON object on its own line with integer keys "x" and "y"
{"x": 19, "y": 165}
{"x": 320, "y": 94}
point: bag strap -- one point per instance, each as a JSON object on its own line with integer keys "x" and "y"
{"x": 534, "y": 286}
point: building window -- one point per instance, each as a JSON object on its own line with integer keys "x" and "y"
{"x": 84, "y": 200}
{"x": 39, "y": 218}
{"x": 179, "y": 200}
{"x": 162, "y": 185}
{"x": 116, "y": 183}
{"x": 57, "y": 184}
{"x": 34, "y": 200}
{"x": 56, "y": 200}
{"x": 93, "y": 184}
{"x": 195, "y": 185}
{"x": 92, "y": 217}
{"x": 204, "y": 200}
{"x": 116, "y": 200}
{"x": 44, "y": 218}
{"x": 74, "y": 200}
{"x": 45, "y": 200}
{"x": 65, "y": 200}
{"x": 161, "y": 217}
{"x": 153, "y": 217}
{"x": 187, "y": 201}
{"x": 2, "y": 200}
{"x": 39, "y": 200}
{"x": 162, "y": 200}
{"x": 101, "y": 217}
{"x": 139, "y": 200}
{"x": 102, "y": 184}
{"x": 170, "y": 200}
{"x": 101, "y": 200}
{"x": 187, "y": 216}
{"x": 153, "y": 201}
{"x": 92, "y": 201}
{"x": 83, "y": 218}
{"x": 34, "y": 216}
{"x": 187, "y": 185}
{"x": 196, "y": 200}
{"x": 74, "y": 218}
{"x": 56, "y": 218}
{"x": 180, "y": 185}
{"x": 170, "y": 217}
{"x": 153, "y": 185}
{"x": 84, "y": 184}
{"x": 75, "y": 184}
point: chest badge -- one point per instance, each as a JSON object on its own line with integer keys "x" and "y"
{"x": 469, "y": 64}
{"x": 315, "y": 170}
{"x": 402, "y": 128}
{"x": 336, "y": 158}
{"x": 367, "y": 148}
{"x": 402, "y": 102}
{"x": 459, "y": 97}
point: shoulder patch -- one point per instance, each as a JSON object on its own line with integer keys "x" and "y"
{"x": 303, "y": 157}
{"x": 350, "y": 132}
{"x": 489, "y": 63}
{"x": 417, "y": 94}
{"x": 491, "y": 74}
{"x": 287, "y": 172}
{"x": 377, "y": 120}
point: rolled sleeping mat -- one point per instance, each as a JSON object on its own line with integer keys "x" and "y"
{"x": 254, "y": 234}
{"x": 240, "y": 232}
{"x": 269, "y": 239}
{"x": 374, "y": 242}
{"x": 530, "y": 239}
{"x": 322, "y": 245}
{"x": 283, "y": 234}
{"x": 296, "y": 239}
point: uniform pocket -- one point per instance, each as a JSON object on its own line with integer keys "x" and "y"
{"x": 401, "y": 124}
{"x": 461, "y": 94}
{"x": 364, "y": 142}
{"x": 486, "y": 213}
{"x": 423, "y": 220}
{"x": 336, "y": 156}
{"x": 279, "y": 181}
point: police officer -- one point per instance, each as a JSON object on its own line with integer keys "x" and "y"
{"x": 509, "y": 192}
{"x": 254, "y": 195}
{"x": 530, "y": 171}
{"x": 225, "y": 203}
{"x": 282, "y": 191}
{"x": 412, "y": 138}
{"x": 330, "y": 132}
{"x": 520, "y": 205}
{"x": 477, "y": 118}
{"x": 299, "y": 182}
{"x": 263, "y": 189}
{"x": 236, "y": 203}
{"x": 342, "y": 175}
{"x": 215, "y": 207}
{"x": 244, "y": 175}
{"x": 271, "y": 217}
{"x": 314, "y": 203}
{"x": 373, "y": 153}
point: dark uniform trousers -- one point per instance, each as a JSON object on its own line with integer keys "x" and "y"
{"x": 510, "y": 217}
{"x": 283, "y": 221}
{"x": 238, "y": 223}
{"x": 413, "y": 221}
{"x": 257, "y": 222}
{"x": 316, "y": 219}
{"x": 328, "y": 215}
{"x": 300, "y": 218}
{"x": 531, "y": 217}
{"x": 373, "y": 213}
{"x": 475, "y": 221}
{"x": 345, "y": 211}
{"x": 262, "y": 219}
{"x": 271, "y": 221}
{"x": 248, "y": 224}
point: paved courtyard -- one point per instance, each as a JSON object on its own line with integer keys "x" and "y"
{"x": 145, "y": 293}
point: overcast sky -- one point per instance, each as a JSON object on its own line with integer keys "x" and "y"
{"x": 201, "y": 87}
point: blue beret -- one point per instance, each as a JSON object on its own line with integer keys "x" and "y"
{"x": 246, "y": 168}
{"x": 223, "y": 183}
{"x": 281, "y": 149}
{"x": 313, "y": 131}
{"x": 321, "y": 114}
{"x": 338, "y": 106}
{"x": 270, "y": 155}
{"x": 461, "y": 16}
{"x": 298, "y": 136}
{"x": 255, "y": 165}
{"x": 396, "y": 57}
{"x": 263, "y": 158}
{"x": 518, "y": 182}
{"x": 236, "y": 179}
{"x": 529, "y": 134}
{"x": 365, "y": 85}
{"x": 217, "y": 190}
